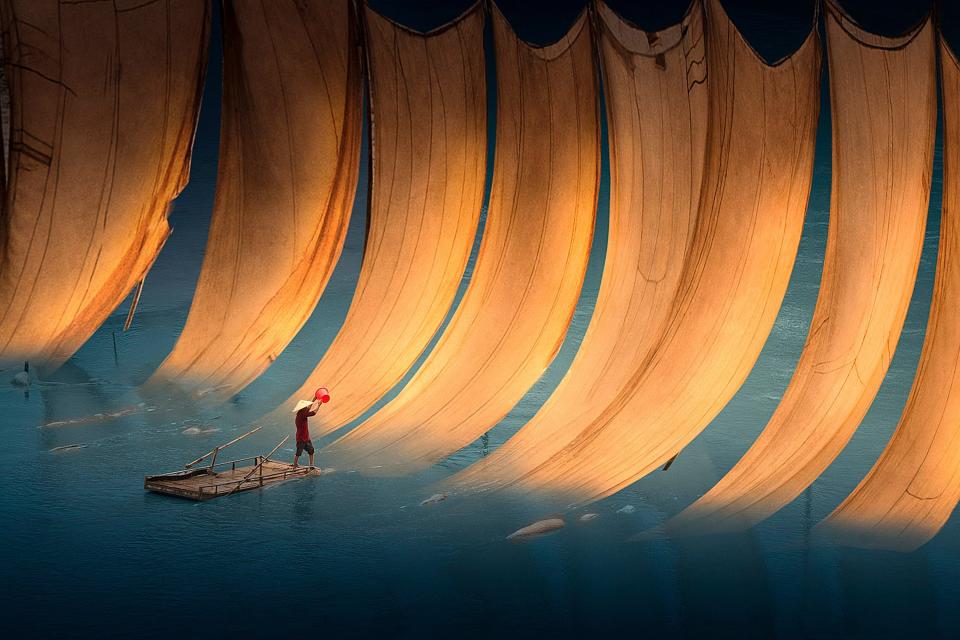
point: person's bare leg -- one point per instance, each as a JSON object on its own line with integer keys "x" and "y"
{"x": 311, "y": 459}
{"x": 296, "y": 461}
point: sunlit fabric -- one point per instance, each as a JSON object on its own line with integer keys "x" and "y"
{"x": 289, "y": 158}
{"x": 100, "y": 138}
{"x": 756, "y": 181}
{"x": 530, "y": 266}
{"x": 883, "y": 97}
{"x": 656, "y": 97}
{"x": 915, "y": 485}
{"x": 429, "y": 145}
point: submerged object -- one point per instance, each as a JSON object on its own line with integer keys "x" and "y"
{"x": 629, "y": 508}
{"x": 434, "y": 499}
{"x": 587, "y": 517}
{"x": 537, "y": 529}
{"x": 22, "y": 378}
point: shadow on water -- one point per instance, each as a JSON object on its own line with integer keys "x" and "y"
{"x": 724, "y": 588}
{"x": 884, "y": 591}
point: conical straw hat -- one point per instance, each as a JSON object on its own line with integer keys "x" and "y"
{"x": 302, "y": 404}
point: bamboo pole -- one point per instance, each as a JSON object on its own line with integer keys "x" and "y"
{"x": 133, "y": 305}
{"x": 223, "y": 446}
{"x": 259, "y": 464}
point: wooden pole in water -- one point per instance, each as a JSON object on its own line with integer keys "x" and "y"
{"x": 133, "y": 305}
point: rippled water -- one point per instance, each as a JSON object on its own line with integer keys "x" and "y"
{"x": 84, "y": 550}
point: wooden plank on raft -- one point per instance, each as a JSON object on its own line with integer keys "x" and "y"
{"x": 226, "y": 478}
{"x": 203, "y": 484}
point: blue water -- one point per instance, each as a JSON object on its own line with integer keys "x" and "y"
{"x": 84, "y": 551}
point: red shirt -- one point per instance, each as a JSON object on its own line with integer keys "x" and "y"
{"x": 303, "y": 433}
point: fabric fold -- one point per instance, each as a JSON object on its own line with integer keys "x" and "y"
{"x": 104, "y": 98}
{"x": 656, "y": 97}
{"x": 530, "y": 266}
{"x": 289, "y": 160}
{"x": 428, "y": 145}
{"x": 883, "y": 97}
{"x": 761, "y": 124}
{"x": 913, "y": 488}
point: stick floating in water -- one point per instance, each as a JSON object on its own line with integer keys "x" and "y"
{"x": 68, "y": 447}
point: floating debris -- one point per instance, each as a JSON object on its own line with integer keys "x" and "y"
{"x": 68, "y": 447}
{"x": 97, "y": 417}
{"x": 537, "y": 529}
{"x": 199, "y": 431}
{"x": 434, "y": 499}
{"x": 626, "y": 509}
{"x": 587, "y": 517}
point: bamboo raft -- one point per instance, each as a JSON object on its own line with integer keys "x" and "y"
{"x": 225, "y": 478}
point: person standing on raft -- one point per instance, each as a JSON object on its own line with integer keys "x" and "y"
{"x": 304, "y": 410}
